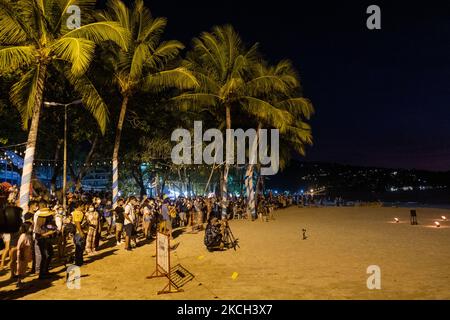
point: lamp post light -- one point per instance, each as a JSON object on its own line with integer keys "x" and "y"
{"x": 65, "y": 105}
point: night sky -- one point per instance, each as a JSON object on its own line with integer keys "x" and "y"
{"x": 382, "y": 97}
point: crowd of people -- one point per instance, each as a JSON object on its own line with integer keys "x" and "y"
{"x": 51, "y": 234}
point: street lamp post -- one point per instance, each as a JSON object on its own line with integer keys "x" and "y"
{"x": 56, "y": 104}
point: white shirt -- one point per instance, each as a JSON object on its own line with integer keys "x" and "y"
{"x": 129, "y": 210}
{"x": 59, "y": 221}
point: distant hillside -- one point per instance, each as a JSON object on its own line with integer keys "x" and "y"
{"x": 346, "y": 178}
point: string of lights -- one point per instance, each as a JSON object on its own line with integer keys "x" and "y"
{"x": 23, "y": 144}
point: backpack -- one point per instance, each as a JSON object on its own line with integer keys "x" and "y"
{"x": 172, "y": 212}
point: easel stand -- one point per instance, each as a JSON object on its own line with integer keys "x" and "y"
{"x": 163, "y": 265}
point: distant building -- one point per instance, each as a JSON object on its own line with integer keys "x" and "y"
{"x": 96, "y": 180}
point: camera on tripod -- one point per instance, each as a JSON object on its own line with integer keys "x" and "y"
{"x": 228, "y": 237}
{"x": 218, "y": 236}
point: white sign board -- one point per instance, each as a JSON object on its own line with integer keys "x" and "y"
{"x": 162, "y": 252}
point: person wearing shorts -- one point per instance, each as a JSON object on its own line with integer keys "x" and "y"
{"x": 119, "y": 220}
{"x": 129, "y": 221}
{"x": 6, "y": 240}
{"x": 146, "y": 219}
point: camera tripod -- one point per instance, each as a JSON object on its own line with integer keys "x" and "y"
{"x": 228, "y": 238}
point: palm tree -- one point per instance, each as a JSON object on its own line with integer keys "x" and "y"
{"x": 145, "y": 66}
{"x": 225, "y": 67}
{"x": 296, "y": 133}
{"x": 34, "y": 37}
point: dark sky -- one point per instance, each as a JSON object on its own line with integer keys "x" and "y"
{"x": 382, "y": 97}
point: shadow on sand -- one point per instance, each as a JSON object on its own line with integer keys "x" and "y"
{"x": 30, "y": 287}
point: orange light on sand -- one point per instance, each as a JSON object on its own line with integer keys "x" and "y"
{"x": 437, "y": 224}
{"x": 396, "y": 220}
{"x": 444, "y": 218}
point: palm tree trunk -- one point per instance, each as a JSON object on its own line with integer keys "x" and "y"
{"x": 85, "y": 168}
{"x": 251, "y": 199}
{"x": 138, "y": 177}
{"x": 55, "y": 168}
{"x": 115, "y": 159}
{"x": 250, "y": 191}
{"x": 32, "y": 138}
{"x": 227, "y": 167}
{"x": 209, "y": 179}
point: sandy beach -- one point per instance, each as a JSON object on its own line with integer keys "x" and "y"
{"x": 273, "y": 262}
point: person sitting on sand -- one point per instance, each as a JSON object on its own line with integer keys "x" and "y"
{"x": 213, "y": 235}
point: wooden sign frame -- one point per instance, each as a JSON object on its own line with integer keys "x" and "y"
{"x": 159, "y": 270}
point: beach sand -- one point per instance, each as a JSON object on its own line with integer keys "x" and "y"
{"x": 273, "y": 262}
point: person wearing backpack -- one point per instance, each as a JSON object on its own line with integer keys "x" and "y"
{"x": 79, "y": 238}
{"x": 44, "y": 230}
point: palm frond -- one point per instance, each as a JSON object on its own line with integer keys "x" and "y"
{"x": 91, "y": 98}
{"x": 13, "y": 28}
{"x": 178, "y": 78}
{"x": 267, "y": 113}
{"x": 151, "y": 30}
{"x": 141, "y": 54}
{"x": 16, "y": 57}
{"x": 118, "y": 11}
{"x": 23, "y": 95}
{"x": 196, "y": 101}
{"x": 166, "y": 51}
{"x": 102, "y": 31}
{"x": 78, "y": 51}
{"x": 85, "y": 5}
{"x": 297, "y": 107}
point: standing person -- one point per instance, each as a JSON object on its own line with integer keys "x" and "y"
{"x": 44, "y": 229}
{"x": 79, "y": 239}
{"x": 208, "y": 208}
{"x": 92, "y": 219}
{"x": 24, "y": 250}
{"x": 98, "y": 207}
{"x": 130, "y": 219}
{"x": 146, "y": 219}
{"x": 107, "y": 214}
{"x": 33, "y": 207}
{"x": 182, "y": 211}
{"x": 6, "y": 240}
{"x": 165, "y": 214}
{"x": 154, "y": 215}
{"x": 190, "y": 212}
{"x": 200, "y": 215}
{"x": 59, "y": 217}
{"x": 13, "y": 254}
{"x": 119, "y": 216}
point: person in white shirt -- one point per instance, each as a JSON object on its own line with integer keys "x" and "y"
{"x": 128, "y": 224}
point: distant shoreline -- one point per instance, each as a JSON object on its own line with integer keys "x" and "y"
{"x": 416, "y": 205}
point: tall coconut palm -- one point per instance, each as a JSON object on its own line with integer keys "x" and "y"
{"x": 296, "y": 133}
{"x": 34, "y": 37}
{"x": 224, "y": 67}
{"x": 146, "y": 65}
